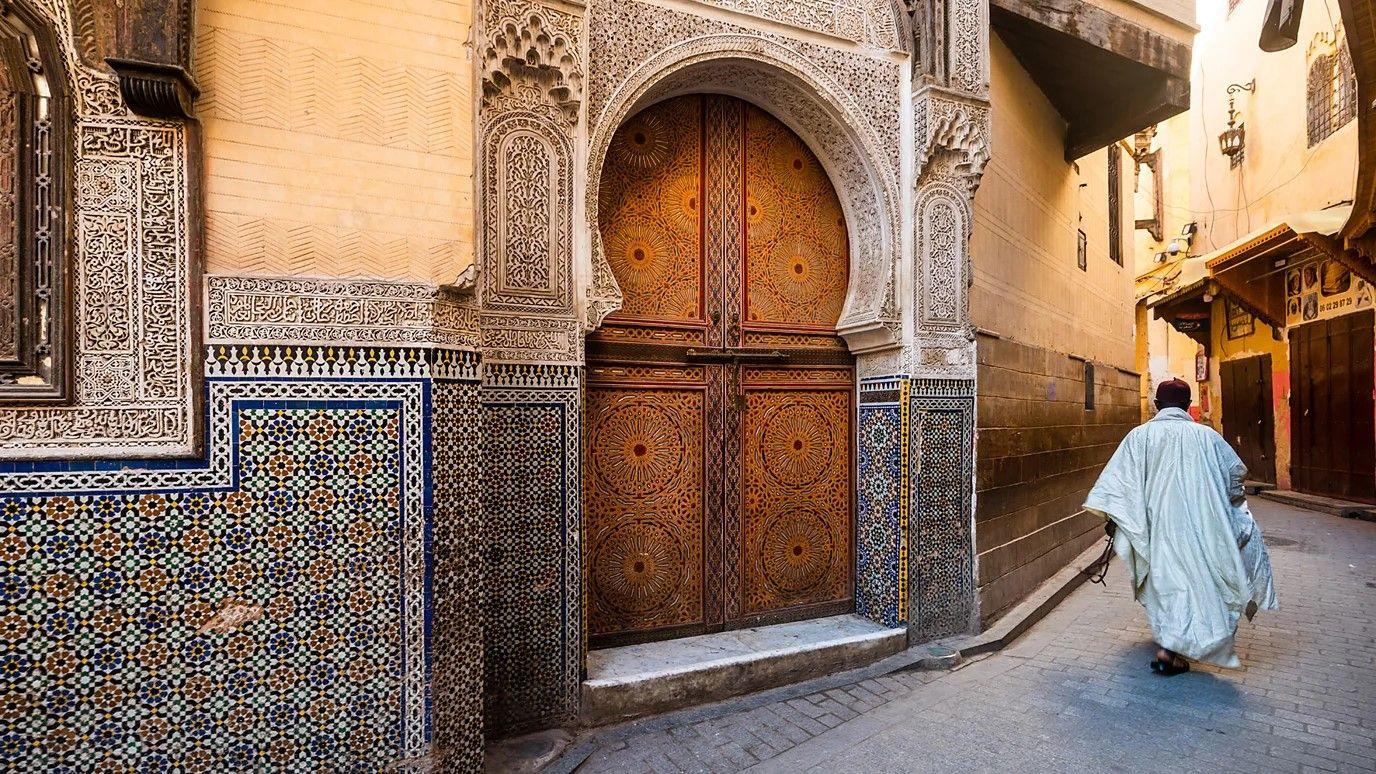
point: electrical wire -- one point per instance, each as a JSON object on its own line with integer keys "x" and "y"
{"x": 1248, "y": 202}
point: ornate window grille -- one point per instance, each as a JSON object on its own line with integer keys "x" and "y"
{"x": 1331, "y": 94}
{"x": 35, "y": 358}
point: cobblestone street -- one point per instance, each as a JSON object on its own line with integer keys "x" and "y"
{"x": 1075, "y": 694}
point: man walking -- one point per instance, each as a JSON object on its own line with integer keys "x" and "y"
{"x": 1173, "y": 497}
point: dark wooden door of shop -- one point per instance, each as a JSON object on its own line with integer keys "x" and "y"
{"x": 718, "y": 416}
{"x": 1332, "y": 425}
{"x": 1248, "y": 421}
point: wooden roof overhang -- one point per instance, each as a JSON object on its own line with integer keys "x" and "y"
{"x": 1359, "y": 24}
{"x": 1186, "y": 309}
{"x": 1253, "y": 272}
{"x": 1108, "y": 77}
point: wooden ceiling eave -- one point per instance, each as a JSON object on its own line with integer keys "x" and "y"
{"x": 1355, "y": 263}
{"x": 1252, "y": 309}
{"x": 1185, "y": 303}
{"x": 1262, "y": 296}
{"x": 1107, "y": 76}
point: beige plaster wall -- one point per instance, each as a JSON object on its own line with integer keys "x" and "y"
{"x": 338, "y": 137}
{"x": 1172, "y": 18}
{"x": 1027, "y": 285}
{"x": 1163, "y": 352}
{"x": 1280, "y": 174}
{"x": 1172, "y": 142}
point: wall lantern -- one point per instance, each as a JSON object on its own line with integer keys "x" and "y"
{"x": 1232, "y": 139}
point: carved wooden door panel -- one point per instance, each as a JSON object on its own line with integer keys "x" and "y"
{"x": 719, "y": 410}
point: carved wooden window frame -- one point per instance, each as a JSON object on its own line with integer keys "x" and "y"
{"x": 1115, "y": 205}
{"x": 35, "y": 338}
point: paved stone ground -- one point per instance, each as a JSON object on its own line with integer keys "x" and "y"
{"x": 1074, "y": 694}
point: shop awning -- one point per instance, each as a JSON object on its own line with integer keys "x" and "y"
{"x": 1165, "y": 278}
{"x": 1187, "y": 306}
{"x": 1253, "y": 269}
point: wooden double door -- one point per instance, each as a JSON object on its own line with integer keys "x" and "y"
{"x": 1332, "y": 424}
{"x": 719, "y": 409}
{"x": 1248, "y": 421}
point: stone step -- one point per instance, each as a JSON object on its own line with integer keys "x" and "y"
{"x": 1344, "y": 508}
{"x": 637, "y": 680}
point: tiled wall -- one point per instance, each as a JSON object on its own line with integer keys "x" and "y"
{"x": 941, "y": 589}
{"x": 880, "y": 520}
{"x": 914, "y": 563}
{"x": 1039, "y": 452}
{"x": 533, "y": 632}
{"x": 267, "y": 607}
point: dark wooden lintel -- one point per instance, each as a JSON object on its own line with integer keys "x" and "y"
{"x": 147, "y": 43}
{"x": 1104, "y": 30}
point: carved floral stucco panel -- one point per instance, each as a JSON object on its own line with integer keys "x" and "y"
{"x": 871, "y": 22}
{"x": 132, "y": 269}
{"x": 532, "y": 94}
{"x": 951, "y": 129}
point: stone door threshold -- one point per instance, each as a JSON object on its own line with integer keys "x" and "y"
{"x": 637, "y": 680}
{"x": 1344, "y": 508}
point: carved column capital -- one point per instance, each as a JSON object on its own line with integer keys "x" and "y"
{"x": 530, "y": 57}
{"x": 155, "y": 90}
{"x": 532, "y": 91}
{"x": 957, "y": 127}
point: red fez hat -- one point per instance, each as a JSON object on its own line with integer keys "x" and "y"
{"x": 1173, "y": 392}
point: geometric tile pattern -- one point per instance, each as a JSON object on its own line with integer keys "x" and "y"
{"x": 457, "y": 644}
{"x": 533, "y": 627}
{"x": 941, "y": 594}
{"x": 879, "y": 533}
{"x": 214, "y": 629}
{"x": 265, "y": 607}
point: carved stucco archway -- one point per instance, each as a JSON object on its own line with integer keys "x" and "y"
{"x": 810, "y": 103}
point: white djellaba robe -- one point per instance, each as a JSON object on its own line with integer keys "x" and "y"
{"x": 1194, "y": 553}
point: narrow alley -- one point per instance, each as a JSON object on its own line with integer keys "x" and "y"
{"x": 1075, "y": 694}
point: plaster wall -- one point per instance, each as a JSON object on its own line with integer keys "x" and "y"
{"x": 1172, "y": 142}
{"x": 1030, "y": 204}
{"x": 1039, "y": 448}
{"x": 1280, "y": 174}
{"x": 338, "y": 138}
{"x": 1163, "y": 352}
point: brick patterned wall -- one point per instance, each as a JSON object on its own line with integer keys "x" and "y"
{"x": 338, "y": 137}
{"x": 1038, "y": 453}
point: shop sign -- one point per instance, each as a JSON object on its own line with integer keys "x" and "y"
{"x": 1323, "y": 289}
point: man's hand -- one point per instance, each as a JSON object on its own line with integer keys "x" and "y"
{"x": 1110, "y": 528}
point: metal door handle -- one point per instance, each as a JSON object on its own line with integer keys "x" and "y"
{"x": 736, "y": 355}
